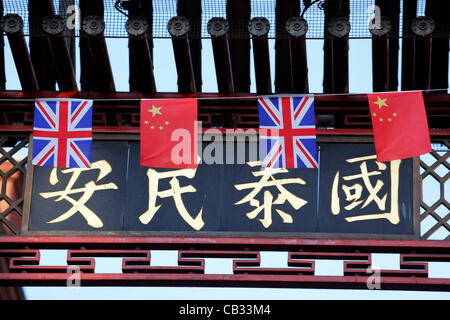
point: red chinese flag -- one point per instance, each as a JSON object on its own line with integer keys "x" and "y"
{"x": 169, "y": 133}
{"x": 400, "y": 126}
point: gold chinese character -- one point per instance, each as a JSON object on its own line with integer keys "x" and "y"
{"x": 88, "y": 190}
{"x": 174, "y": 192}
{"x": 353, "y": 193}
{"x": 268, "y": 180}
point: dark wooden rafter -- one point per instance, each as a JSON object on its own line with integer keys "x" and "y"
{"x": 96, "y": 73}
{"x": 65, "y": 72}
{"x": 178, "y": 28}
{"x": 218, "y": 29}
{"x": 409, "y": 13}
{"x": 21, "y": 56}
{"x": 259, "y": 28}
{"x": 335, "y": 50}
{"x": 54, "y": 26}
{"x": 142, "y": 77}
{"x": 299, "y": 64}
{"x": 438, "y": 11}
{"x": 422, "y": 62}
{"x": 192, "y": 10}
{"x": 284, "y": 10}
{"x": 141, "y": 51}
{"x": 380, "y": 63}
{"x": 39, "y": 46}
{"x": 87, "y": 80}
{"x": 69, "y": 12}
{"x": 238, "y": 16}
{"x": 23, "y": 63}
{"x": 385, "y": 49}
{"x": 298, "y": 57}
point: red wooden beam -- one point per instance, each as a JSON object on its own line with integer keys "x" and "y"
{"x": 337, "y": 111}
{"x": 224, "y": 243}
{"x": 319, "y": 132}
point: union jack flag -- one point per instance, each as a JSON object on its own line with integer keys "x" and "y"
{"x": 62, "y": 134}
{"x": 287, "y": 136}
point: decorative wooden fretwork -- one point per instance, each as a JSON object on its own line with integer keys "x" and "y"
{"x": 13, "y": 160}
{"x": 243, "y": 262}
{"x": 435, "y": 204}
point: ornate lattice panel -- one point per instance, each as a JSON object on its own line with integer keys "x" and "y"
{"x": 13, "y": 159}
{"x": 435, "y": 204}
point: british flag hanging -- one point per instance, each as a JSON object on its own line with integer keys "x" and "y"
{"x": 287, "y": 137}
{"x": 62, "y": 133}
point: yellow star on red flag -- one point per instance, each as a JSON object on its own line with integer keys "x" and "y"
{"x": 381, "y": 102}
{"x": 154, "y": 110}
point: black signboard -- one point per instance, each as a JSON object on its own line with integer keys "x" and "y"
{"x": 349, "y": 195}
{"x": 360, "y": 195}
